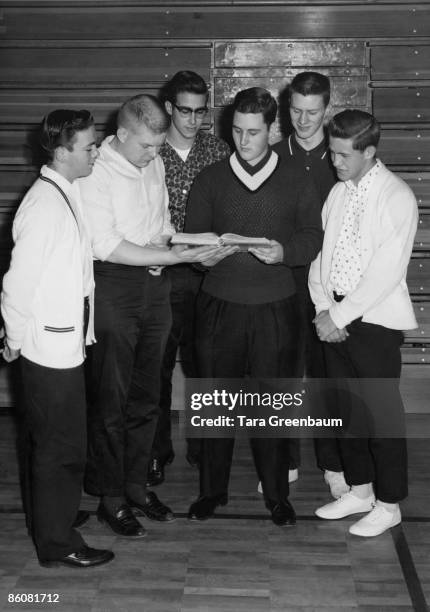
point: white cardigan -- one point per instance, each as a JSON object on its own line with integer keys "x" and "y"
{"x": 43, "y": 294}
{"x": 388, "y": 228}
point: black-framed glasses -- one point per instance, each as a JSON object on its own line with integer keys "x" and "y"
{"x": 186, "y": 111}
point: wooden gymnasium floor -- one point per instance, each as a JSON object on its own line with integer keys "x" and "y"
{"x": 238, "y": 561}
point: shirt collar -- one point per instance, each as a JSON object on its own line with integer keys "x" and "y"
{"x": 320, "y": 151}
{"x": 61, "y": 181}
{"x": 366, "y": 180}
{"x": 196, "y": 142}
{"x": 251, "y": 170}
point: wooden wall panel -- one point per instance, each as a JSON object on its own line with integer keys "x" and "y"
{"x": 405, "y": 147}
{"x": 420, "y": 184}
{"x": 50, "y": 67}
{"x": 415, "y": 386}
{"x": 422, "y": 239}
{"x": 15, "y": 181}
{"x": 402, "y": 104}
{"x": 305, "y": 22}
{"x": 418, "y": 275}
{"x": 401, "y": 62}
{"x": 291, "y": 53}
{"x": 22, "y": 107}
{"x": 416, "y": 355}
{"x": 422, "y": 333}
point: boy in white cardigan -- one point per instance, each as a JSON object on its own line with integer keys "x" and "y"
{"x": 358, "y": 286}
{"x": 45, "y": 304}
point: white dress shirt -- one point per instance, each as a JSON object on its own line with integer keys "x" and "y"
{"x": 123, "y": 202}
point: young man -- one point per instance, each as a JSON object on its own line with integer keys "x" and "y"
{"x": 187, "y": 150}
{"x": 306, "y": 148}
{"x": 45, "y": 304}
{"x": 246, "y": 322}
{"x": 358, "y": 286}
{"x": 126, "y": 199}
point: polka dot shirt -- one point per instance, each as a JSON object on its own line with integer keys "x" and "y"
{"x": 346, "y": 269}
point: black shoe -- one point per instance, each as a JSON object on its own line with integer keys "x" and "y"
{"x": 153, "y": 509}
{"x": 85, "y": 557}
{"x": 123, "y": 522}
{"x": 155, "y": 473}
{"x": 204, "y": 507}
{"x": 82, "y": 517}
{"x": 283, "y": 514}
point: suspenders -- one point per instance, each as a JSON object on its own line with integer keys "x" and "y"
{"x": 54, "y": 184}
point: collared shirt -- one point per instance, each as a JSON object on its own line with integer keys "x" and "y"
{"x": 316, "y": 162}
{"x": 346, "y": 270}
{"x": 123, "y": 202}
{"x": 180, "y": 174}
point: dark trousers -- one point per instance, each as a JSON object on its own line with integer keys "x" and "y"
{"x": 55, "y": 422}
{"x": 372, "y": 351}
{"x": 235, "y": 341}
{"x": 185, "y": 284}
{"x": 311, "y": 363}
{"x": 132, "y": 321}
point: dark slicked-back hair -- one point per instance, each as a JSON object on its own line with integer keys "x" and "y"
{"x": 184, "y": 81}
{"x": 59, "y": 129}
{"x": 146, "y": 109}
{"x": 311, "y": 84}
{"x": 256, "y": 100}
{"x": 362, "y": 127}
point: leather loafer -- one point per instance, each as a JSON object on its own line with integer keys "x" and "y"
{"x": 283, "y": 514}
{"x": 85, "y": 557}
{"x": 204, "y": 507}
{"x": 123, "y": 522}
{"x": 82, "y": 517}
{"x": 153, "y": 509}
{"x": 155, "y": 473}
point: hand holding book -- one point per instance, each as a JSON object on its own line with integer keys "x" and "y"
{"x": 210, "y": 238}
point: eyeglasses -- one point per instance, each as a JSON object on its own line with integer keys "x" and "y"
{"x": 186, "y": 111}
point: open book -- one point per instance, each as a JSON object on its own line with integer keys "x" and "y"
{"x": 210, "y": 238}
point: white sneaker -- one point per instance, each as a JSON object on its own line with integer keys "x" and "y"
{"x": 293, "y": 475}
{"x": 337, "y": 483}
{"x": 345, "y": 505}
{"x": 376, "y": 522}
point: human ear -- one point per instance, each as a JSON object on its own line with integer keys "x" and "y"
{"x": 122, "y": 134}
{"x": 60, "y": 154}
{"x": 369, "y": 152}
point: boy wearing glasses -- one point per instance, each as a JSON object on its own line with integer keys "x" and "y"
{"x": 187, "y": 150}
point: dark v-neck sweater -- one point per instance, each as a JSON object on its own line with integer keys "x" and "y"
{"x": 284, "y": 207}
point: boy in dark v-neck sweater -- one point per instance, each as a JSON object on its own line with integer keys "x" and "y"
{"x": 246, "y": 323}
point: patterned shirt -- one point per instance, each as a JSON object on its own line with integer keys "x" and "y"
{"x": 180, "y": 174}
{"x": 346, "y": 269}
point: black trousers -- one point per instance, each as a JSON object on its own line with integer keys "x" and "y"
{"x": 372, "y": 351}
{"x": 312, "y": 364}
{"x": 55, "y": 423}
{"x": 185, "y": 283}
{"x": 235, "y": 341}
{"x": 132, "y": 322}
